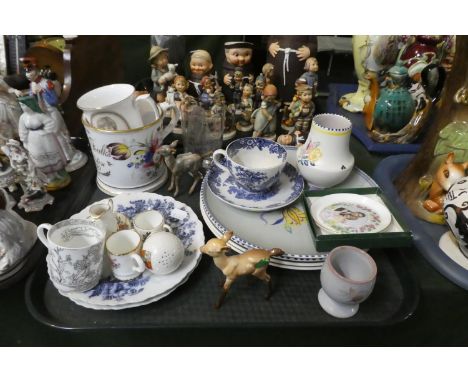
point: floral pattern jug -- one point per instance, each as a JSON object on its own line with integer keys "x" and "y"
{"x": 325, "y": 160}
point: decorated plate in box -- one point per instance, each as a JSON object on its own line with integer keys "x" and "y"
{"x": 350, "y": 213}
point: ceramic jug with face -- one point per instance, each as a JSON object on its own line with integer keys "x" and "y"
{"x": 325, "y": 160}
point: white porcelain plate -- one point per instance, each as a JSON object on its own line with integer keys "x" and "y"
{"x": 278, "y": 261}
{"x": 286, "y": 228}
{"x": 147, "y": 288}
{"x": 285, "y": 192}
{"x": 350, "y": 214}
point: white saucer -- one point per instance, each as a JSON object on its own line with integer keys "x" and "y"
{"x": 350, "y": 214}
{"x": 113, "y": 294}
{"x": 78, "y": 161}
{"x": 449, "y": 245}
{"x": 285, "y": 192}
{"x": 156, "y": 184}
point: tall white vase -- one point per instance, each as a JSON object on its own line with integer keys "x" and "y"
{"x": 325, "y": 160}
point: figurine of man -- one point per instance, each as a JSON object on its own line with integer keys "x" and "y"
{"x": 162, "y": 73}
{"x": 310, "y": 77}
{"x": 238, "y": 57}
{"x": 245, "y": 109}
{"x": 264, "y": 118}
{"x": 287, "y": 53}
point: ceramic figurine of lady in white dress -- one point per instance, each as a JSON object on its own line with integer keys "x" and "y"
{"x": 10, "y": 111}
{"x": 44, "y": 140}
{"x": 47, "y": 93}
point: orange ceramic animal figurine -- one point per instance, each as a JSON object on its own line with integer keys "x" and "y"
{"x": 446, "y": 175}
{"x": 252, "y": 262}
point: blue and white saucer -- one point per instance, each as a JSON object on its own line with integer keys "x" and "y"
{"x": 285, "y": 192}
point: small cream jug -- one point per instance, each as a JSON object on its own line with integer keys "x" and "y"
{"x": 102, "y": 214}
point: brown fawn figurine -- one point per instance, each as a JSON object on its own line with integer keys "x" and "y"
{"x": 185, "y": 162}
{"x": 446, "y": 175}
{"x": 252, "y": 262}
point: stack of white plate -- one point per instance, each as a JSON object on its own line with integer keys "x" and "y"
{"x": 283, "y": 227}
{"x": 148, "y": 287}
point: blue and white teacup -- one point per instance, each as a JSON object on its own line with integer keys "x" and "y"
{"x": 255, "y": 163}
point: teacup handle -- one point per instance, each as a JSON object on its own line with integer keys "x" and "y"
{"x": 41, "y": 235}
{"x": 167, "y": 228}
{"x": 140, "y": 264}
{"x": 216, "y": 158}
{"x": 174, "y": 118}
{"x": 111, "y": 204}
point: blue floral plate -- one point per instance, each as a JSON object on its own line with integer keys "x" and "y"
{"x": 285, "y": 192}
{"x": 148, "y": 287}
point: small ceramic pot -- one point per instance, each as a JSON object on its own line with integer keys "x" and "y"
{"x": 395, "y": 105}
{"x": 456, "y": 212}
{"x": 148, "y": 222}
{"x": 325, "y": 160}
{"x": 163, "y": 252}
{"x": 123, "y": 248}
{"x": 255, "y": 163}
{"x": 347, "y": 278}
{"x": 76, "y": 251}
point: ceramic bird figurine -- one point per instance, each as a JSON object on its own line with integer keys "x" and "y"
{"x": 252, "y": 262}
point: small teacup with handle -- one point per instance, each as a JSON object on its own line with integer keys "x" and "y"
{"x": 148, "y": 222}
{"x": 123, "y": 248}
{"x": 255, "y": 163}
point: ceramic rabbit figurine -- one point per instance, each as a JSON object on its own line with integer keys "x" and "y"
{"x": 252, "y": 262}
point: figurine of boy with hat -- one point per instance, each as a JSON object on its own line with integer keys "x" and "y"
{"x": 303, "y": 109}
{"x": 162, "y": 72}
{"x": 238, "y": 55}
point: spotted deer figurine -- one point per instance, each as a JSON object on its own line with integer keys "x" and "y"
{"x": 185, "y": 162}
{"x": 252, "y": 262}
